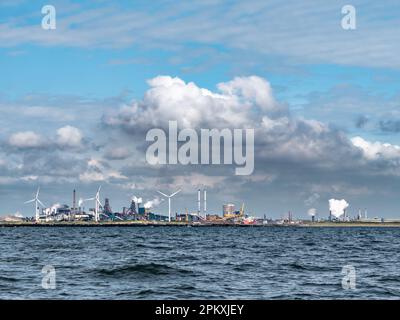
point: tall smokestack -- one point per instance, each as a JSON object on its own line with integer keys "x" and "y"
{"x": 198, "y": 201}
{"x": 330, "y": 215}
{"x": 74, "y": 201}
{"x": 205, "y": 204}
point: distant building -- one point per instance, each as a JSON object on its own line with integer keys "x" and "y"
{"x": 57, "y": 212}
{"x": 181, "y": 217}
{"x": 157, "y": 217}
{"x": 107, "y": 207}
{"x": 390, "y": 220}
{"x": 213, "y": 217}
{"x": 228, "y": 209}
{"x": 374, "y": 219}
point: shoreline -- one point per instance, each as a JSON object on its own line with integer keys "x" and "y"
{"x": 190, "y": 224}
{"x": 352, "y": 224}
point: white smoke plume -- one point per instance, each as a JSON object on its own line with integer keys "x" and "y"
{"x": 153, "y": 203}
{"x": 137, "y": 200}
{"x": 337, "y": 207}
{"x": 312, "y": 212}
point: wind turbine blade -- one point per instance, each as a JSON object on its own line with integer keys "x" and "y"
{"x": 37, "y": 192}
{"x": 175, "y": 193}
{"x": 90, "y": 199}
{"x": 30, "y": 201}
{"x": 41, "y": 202}
{"x": 163, "y": 194}
{"x": 98, "y": 190}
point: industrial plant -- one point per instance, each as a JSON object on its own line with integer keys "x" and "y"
{"x": 94, "y": 210}
{"x": 99, "y": 211}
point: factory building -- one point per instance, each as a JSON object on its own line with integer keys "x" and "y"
{"x": 56, "y": 213}
{"x": 228, "y": 210}
{"x": 157, "y": 217}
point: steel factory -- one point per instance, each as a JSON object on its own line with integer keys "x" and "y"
{"x": 98, "y": 211}
{"x": 93, "y": 209}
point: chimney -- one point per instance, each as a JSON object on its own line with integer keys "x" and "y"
{"x": 74, "y": 201}
{"x": 330, "y": 215}
{"x": 205, "y": 204}
{"x": 198, "y": 202}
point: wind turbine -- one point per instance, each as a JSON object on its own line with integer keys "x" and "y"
{"x": 97, "y": 204}
{"x": 169, "y": 202}
{"x": 37, "y": 202}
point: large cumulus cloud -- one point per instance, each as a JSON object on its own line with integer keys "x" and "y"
{"x": 237, "y": 103}
{"x": 244, "y": 102}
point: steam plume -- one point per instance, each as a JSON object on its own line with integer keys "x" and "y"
{"x": 153, "y": 203}
{"x": 137, "y": 200}
{"x": 312, "y": 212}
{"x": 337, "y": 207}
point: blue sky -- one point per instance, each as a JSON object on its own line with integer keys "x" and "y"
{"x": 103, "y": 52}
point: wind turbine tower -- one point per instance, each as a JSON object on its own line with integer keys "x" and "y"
{"x": 37, "y": 202}
{"x": 97, "y": 204}
{"x": 169, "y": 202}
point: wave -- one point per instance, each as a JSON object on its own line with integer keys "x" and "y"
{"x": 8, "y": 279}
{"x": 151, "y": 269}
{"x": 299, "y": 266}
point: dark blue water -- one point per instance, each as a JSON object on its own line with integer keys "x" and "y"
{"x": 199, "y": 263}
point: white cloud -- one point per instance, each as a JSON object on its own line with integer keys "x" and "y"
{"x": 253, "y": 25}
{"x": 252, "y": 89}
{"x": 237, "y": 104}
{"x": 92, "y": 176}
{"x": 115, "y": 175}
{"x": 66, "y": 137}
{"x": 26, "y": 139}
{"x": 99, "y": 171}
{"x": 377, "y": 150}
{"x": 69, "y": 136}
{"x": 29, "y": 178}
{"x": 244, "y": 102}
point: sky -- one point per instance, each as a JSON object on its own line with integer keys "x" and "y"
{"x": 76, "y": 102}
